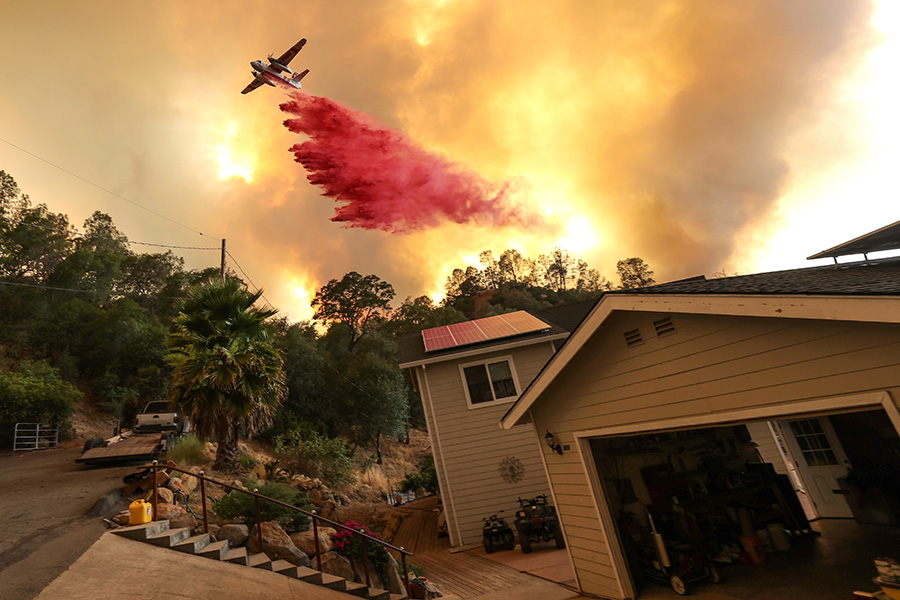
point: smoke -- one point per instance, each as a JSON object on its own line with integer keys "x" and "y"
{"x": 385, "y": 181}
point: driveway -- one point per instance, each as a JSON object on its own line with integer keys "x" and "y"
{"x": 44, "y": 496}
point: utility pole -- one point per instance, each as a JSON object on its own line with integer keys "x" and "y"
{"x": 222, "y": 269}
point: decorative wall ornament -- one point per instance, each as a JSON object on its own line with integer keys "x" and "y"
{"x": 511, "y": 469}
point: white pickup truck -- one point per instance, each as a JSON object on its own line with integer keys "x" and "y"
{"x": 157, "y": 417}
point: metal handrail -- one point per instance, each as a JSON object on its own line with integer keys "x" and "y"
{"x": 364, "y": 537}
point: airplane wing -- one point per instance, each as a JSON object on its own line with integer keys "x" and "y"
{"x": 290, "y": 54}
{"x": 251, "y": 86}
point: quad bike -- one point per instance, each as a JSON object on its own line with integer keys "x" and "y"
{"x": 536, "y": 521}
{"x": 496, "y": 534}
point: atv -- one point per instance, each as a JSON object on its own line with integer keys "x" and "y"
{"x": 496, "y": 534}
{"x": 536, "y": 521}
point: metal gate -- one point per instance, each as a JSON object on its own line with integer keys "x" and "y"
{"x": 32, "y": 436}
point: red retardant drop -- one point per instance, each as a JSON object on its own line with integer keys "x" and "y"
{"x": 382, "y": 180}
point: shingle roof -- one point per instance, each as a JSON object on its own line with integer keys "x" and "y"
{"x": 868, "y": 278}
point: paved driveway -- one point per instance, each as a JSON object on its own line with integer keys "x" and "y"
{"x": 44, "y": 495}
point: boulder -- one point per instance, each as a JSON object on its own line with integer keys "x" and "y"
{"x": 395, "y": 581}
{"x": 214, "y": 530}
{"x": 165, "y": 496}
{"x": 187, "y": 520}
{"x": 169, "y": 512}
{"x": 178, "y": 487}
{"x": 236, "y": 534}
{"x": 305, "y": 540}
{"x": 359, "y": 575}
{"x": 277, "y": 544}
{"x": 189, "y": 481}
{"x": 335, "y": 564}
{"x": 122, "y": 518}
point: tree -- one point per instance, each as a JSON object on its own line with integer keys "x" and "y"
{"x": 515, "y": 268}
{"x": 634, "y": 273}
{"x": 559, "y": 267}
{"x": 355, "y": 301}
{"x": 420, "y": 313}
{"x": 228, "y": 373}
{"x": 34, "y": 392}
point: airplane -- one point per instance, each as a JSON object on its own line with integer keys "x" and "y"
{"x": 264, "y": 73}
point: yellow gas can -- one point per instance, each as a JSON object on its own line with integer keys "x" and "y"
{"x": 140, "y": 511}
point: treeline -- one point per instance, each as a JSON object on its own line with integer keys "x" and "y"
{"x": 83, "y": 317}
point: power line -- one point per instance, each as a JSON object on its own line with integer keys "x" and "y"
{"x": 86, "y": 236}
{"x": 100, "y": 187}
{"x": 60, "y": 289}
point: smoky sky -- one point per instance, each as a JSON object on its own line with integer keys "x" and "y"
{"x": 668, "y": 125}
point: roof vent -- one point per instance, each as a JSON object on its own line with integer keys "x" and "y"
{"x": 664, "y": 326}
{"x": 633, "y": 338}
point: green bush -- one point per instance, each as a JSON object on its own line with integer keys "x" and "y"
{"x": 187, "y": 450}
{"x": 246, "y": 461}
{"x": 33, "y": 392}
{"x": 425, "y": 477}
{"x": 317, "y": 455}
{"x": 239, "y": 506}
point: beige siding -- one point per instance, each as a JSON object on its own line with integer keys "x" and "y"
{"x": 710, "y": 364}
{"x": 469, "y": 445}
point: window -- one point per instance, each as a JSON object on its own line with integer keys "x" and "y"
{"x": 813, "y": 442}
{"x": 489, "y": 382}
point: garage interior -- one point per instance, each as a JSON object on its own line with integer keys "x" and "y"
{"x": 797, "y": 508}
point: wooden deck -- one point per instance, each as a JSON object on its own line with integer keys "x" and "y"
{"x": 463, "y": 575}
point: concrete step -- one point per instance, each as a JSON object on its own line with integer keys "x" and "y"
{"x": 169, "y": 538}
{"x": 283, "y": 567}
{"x": 259, "y": 561}
{"x": 311, "y": 575}
{"x": 142, "y": 532}
{"x": 194, "y": 544}
{"x": 216, "y": 550}
{"x": 357, "y": 589}
{"x": 377, "y": 594}
{"x": 237, "y": 556}
{"x": 333, "y": 582}
{"x": 399, "y": 597}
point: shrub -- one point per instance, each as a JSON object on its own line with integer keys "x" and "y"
{"x": 240, "y": 506}
{"x": 33, "y": 392}
{"x": 247, "y": 461}
{"x": 425, "y": 477}
{"x": 350, "y": 546}
{"x": 317, "y": 455}
{"x": 187, "y": 450}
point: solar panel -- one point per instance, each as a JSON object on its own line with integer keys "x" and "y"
{"x": 481, "y": 330}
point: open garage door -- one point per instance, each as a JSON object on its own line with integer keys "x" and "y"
{"x": 703, "y": 502}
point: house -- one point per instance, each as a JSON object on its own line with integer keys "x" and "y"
{"x": 657, "y": 398}
{"x": 467, "y": 376}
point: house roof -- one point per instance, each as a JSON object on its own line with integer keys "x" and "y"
{"x": 562, "y": 320}
{"x": 875, "y": 277}
{"x": 860, "y": 291}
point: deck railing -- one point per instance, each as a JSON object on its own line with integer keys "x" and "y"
{"x": 364, "y": 537}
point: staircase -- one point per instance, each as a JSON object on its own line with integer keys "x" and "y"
{"x": 159, "y": 534}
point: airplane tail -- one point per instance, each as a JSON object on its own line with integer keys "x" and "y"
{"x": 296, "y": 78}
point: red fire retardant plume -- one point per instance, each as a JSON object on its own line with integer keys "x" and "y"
{"x": 382, "y": 180}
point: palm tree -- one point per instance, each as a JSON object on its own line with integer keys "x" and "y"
{"x": 228, "y": 372}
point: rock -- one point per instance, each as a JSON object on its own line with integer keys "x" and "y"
{"x": 359, "y": 575}
{"x": 178, "y": 487}
{"x": 395, "y": 581}
{"x": 335, "y": 564}
{"x": 122, "y": 518}
{"x": 305, "y": 541}
{"x": 168, "y": 512}
{"x": 189, "y": 481}
{"x": 187, "y": 520}
{"x": 236, "y": 534}
{"x": 165, "y": 496}
{"x": 214, "y": 530}
{"x": 315, "y": 497}
{"x": 277, "y": 545}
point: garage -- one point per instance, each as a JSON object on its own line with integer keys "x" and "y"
{"x": 740, "y": 509}
{"x": 754, "y": 418}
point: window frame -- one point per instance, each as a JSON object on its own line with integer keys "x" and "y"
{"x": 485, "y": 362}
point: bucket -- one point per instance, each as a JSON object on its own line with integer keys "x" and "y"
{"x": 779, "y": 537}
{"x": 754, "y": 548}
{"x": 140, "y": 512}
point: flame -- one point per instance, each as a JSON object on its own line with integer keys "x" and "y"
{"x": 232, "y": 161}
